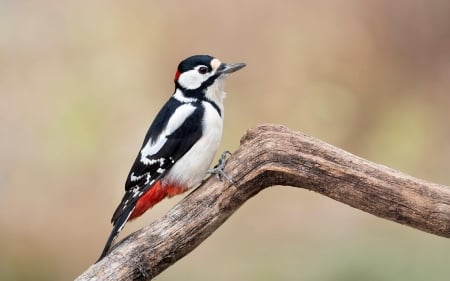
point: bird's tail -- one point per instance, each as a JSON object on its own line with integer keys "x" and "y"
{"x": 118, "y": 225}
{"x": 131, "y": 208}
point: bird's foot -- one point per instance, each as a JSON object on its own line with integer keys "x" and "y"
{"x": 218, "y": 169}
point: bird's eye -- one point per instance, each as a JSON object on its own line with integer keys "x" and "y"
{"x": 202, "y": 70}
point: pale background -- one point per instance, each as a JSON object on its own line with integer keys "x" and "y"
{"x": 81, "y": 81}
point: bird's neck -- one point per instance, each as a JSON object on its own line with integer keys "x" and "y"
{"x": 214, "y": 93}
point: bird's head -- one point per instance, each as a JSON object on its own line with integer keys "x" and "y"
{"x": 198, "y": 73}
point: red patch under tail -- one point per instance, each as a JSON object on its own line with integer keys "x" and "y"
{"x": 155, "y": 194}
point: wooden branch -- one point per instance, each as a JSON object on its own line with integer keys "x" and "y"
{"x": 273, "y": 155}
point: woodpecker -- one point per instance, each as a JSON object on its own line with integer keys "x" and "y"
{"x": 181, "y": 142}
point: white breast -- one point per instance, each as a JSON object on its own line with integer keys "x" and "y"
{"x": 190, "y": 169}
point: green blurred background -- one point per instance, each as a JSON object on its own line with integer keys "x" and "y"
{"x": 80, "y": 82}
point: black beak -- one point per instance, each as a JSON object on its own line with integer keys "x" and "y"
{"x": 226, "y": 68}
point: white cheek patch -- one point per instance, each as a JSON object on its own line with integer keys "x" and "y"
{"x": 190, "y": 79}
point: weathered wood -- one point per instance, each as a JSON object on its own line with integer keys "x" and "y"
{"x": 274, "y": 155}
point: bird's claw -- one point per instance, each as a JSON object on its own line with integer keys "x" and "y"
{"x": 218, "y": 169}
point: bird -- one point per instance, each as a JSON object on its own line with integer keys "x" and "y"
{"x": 181, "y": 142}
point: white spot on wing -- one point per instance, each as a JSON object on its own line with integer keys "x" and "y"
{"x": 135, "y": 191}
{"x": 147, "y": 161}
{"x": 147, "y": 181}
{"x": 135, "y": 178}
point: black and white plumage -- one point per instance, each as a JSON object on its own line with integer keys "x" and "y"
{"x": 181, "y": 142}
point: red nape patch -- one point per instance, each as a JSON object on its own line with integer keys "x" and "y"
{"x": 155, "y": 194}
{"x": 177, "y": 75}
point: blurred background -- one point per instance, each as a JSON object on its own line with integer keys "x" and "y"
{"x": 80, "y": 82}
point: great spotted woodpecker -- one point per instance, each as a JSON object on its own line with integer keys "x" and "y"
{"x": 181, "y": 142}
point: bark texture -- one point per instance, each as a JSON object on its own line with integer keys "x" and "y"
{"x": 274, "y": 155}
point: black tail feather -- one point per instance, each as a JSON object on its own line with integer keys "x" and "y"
{"x": 118, "y": 226}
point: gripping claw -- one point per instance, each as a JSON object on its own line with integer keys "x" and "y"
{"x": 218, "y": 169}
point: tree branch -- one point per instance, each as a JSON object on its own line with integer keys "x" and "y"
{"x": 273, "y": 155}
